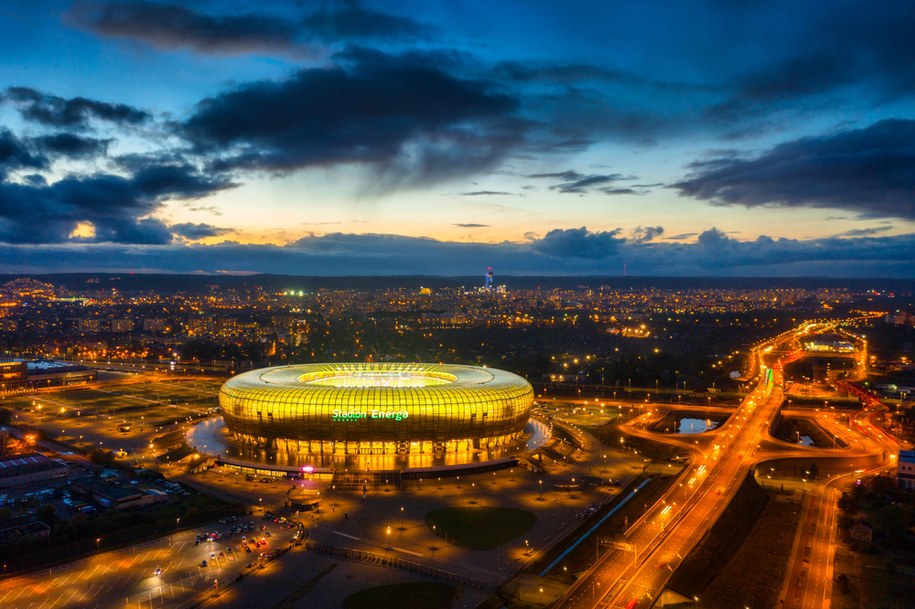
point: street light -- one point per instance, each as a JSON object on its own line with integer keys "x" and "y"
{"x": 98, "y": 540}
{"x": 540, "y": 485}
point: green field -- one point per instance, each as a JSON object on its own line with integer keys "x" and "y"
{"x": 418, "y": 595}
{"x": 153, "y": 400}
{"x": 479, "y": 528}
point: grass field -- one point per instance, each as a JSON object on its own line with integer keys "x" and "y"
{"x": 115, "y": 399}
{"x": 791, "y": 430}
{"x": 717, "y": 549}
{"x": 754, "y": 576}
{"x": 418, "y": 595}
{"x": 151, "y": 404}
{"x": 479, "y": 528}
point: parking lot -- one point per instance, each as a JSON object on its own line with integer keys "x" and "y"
{"x": 169, "y": 570}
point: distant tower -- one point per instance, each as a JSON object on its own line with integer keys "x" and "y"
{"x": 487, "y": 278}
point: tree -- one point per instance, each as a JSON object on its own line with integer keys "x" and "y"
{"x": 6, "y": 416}
{"x": 101, "y": 456}
{"x": 842, "y": 581}
{"x": 843, "y": 502}
{"x": 47, "y": 513}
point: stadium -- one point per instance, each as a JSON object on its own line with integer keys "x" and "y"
{"x": 376, "y": 408}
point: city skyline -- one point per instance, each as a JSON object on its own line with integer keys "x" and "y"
{"x": 359, "y": 138}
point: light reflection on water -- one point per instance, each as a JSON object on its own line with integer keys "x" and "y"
{"x": 688, "y": 426}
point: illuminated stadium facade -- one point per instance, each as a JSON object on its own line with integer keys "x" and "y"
{"x": 376, "y": 408}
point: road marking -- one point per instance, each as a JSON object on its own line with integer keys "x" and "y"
{"x": 347, "y": 536}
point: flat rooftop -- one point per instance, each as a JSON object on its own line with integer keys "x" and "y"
{"x": 30, "y": 463}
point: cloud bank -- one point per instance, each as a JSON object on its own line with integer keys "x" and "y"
{"x": 560, "y": 252}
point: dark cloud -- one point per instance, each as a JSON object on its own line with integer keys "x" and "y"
{"x": 410, "y": 120}
{"x": 470, "y": 225}
{"x": 621, "y": 191}
{"x": 717, "y": 254}
{"x": 485, "y": 193}
{"x": 210, "y": 209}
{"x": 642, "y": 234}
{"x": 118, "y": 208}
{"x": 192, "y": 231}
{"x": 177, "y": 181}
{"x": 842, "y": 48}
{"x": 37, "y": 152}
{"x": 563, "y": 73}
{"x": 348, "y": 254}
{"x": 570, "y": 74}
{"x": 15, "y": 154}
{"x": 713, "y": 238}
{"x": 785, "y": 81}
{"x": 578, "y": 243}
{"x": 355, "y": 22}
{"x": 35, "y": 179}
{"x": 74, "y": 113}
{"x": 170, "y": 26}
{"x": 72, "y": 146}
{"x": 774, "y": 67}
{"x": 566, "y": 176}
{"x": 50, "y": 213}
{"x": 579, "y": 183}
{"x": 870, "y": 171}
{"x": 865, "y": 232}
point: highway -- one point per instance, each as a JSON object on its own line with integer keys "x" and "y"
{"x": 808, "y": 583}
{"x": 635, "y": 572}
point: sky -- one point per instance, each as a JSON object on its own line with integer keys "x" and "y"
{"x": 343, "y": 137}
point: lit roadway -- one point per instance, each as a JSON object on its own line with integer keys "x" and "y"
{"x": 808, "y": 584}
{"x": 635, "y": 572}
